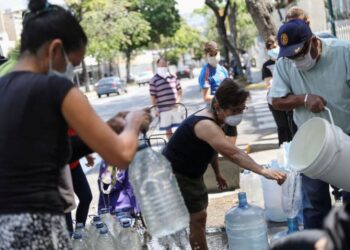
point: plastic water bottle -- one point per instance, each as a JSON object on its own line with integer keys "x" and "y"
{"x": 291, "y": 203}
{"x": 109, "y": 221}
{"x": 80, "y": 228}
{"x": 93, "y": 223}
{"x": 105, "y": 241}
{"x": 158, "y": 194}
{"x": 78, "y": 242}
{"x": 96, "y": 233}
{"x": 293, "y": 226}
{"x": 246, "y": 227}
{"x": 128, "y": 237}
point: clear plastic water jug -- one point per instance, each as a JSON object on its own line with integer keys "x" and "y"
{"x": 96, "y": 233}
{"x": 79, "y": 243}
{"x": 80, "y": 228}
{"x": 246, "y": 227}
{"x": 128, "y": 237}
{"x": 158, "y": 194}
{"x": 105, "y": 241}
{"x": 93, "y": 223}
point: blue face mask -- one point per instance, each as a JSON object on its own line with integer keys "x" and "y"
{"x": 68, "y": 73}
{"x": 273, "y": 53}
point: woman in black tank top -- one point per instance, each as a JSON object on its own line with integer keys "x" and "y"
{"x": 193, "y": 146}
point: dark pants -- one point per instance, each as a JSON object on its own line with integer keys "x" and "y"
{"x": 83, "y": 191}
{"x": 316, "y": 202}
{"x": 286, "y": 128}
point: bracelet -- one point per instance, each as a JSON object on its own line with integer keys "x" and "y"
{"x": 305, "y": 99}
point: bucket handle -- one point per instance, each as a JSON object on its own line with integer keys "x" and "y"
{"x": 333, "y": 128}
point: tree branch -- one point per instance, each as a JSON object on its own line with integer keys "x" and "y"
{"x": 226, "y": 8}
{"x": 214, "y": 7}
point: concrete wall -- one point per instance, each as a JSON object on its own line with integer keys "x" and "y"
{"x": 317, "y": 12}
{"x": 229, "y": 170}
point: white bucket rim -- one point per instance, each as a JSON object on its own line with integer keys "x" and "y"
{"x": 298, "y": 137}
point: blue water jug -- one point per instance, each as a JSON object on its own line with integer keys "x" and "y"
{"x": 246, "y": 227}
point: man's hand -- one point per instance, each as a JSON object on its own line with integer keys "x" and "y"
{"x": 221, "y": 181}
{"x": 315, "y": 103}
{"x": 274, "y": 175}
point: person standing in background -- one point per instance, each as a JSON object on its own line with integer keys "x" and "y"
{"x": 165, "y": 91}
{"x": 286, "y": 128}
{"x": 210, "y": 77}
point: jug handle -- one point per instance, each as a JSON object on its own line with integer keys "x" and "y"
{"x": 333, "y": 128}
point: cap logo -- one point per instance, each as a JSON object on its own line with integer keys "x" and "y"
{"x": 284, "y": 39}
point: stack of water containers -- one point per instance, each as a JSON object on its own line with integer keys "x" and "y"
{"x": 157, "y": 192}
{"x": 246, "y": 227}
{"x": 107, "y": 232}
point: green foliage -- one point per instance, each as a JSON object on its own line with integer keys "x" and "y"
{"x": 185, "y": 40}
{"x": 247, "y": 31}
{"x": 162, "y": 15}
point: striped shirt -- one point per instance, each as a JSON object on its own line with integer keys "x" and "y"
{"x": 165, "y": 90}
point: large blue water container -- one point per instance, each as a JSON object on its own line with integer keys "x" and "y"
{"x": 246, "y": 227}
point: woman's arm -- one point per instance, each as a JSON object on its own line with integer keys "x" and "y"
{"x": 116, "y": 149}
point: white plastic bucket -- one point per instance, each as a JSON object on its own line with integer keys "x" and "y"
{"x": 273, "y": 200}
{"x": 321, "y": 150}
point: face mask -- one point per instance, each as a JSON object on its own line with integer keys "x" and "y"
{"x": 273, "y": 53}
{"x": 68, "y": 73}
{"x": 233, "y": 120}
{"x": 162, "y": 71}
{"x": 213, "y": 60}
{"x": 305, "y": 63}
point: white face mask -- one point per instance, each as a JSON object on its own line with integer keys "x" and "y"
{"x": 233, "y": 120}
{"x": 162, "y": 71}
{"x": 68, "y": 73}
{"x": 273, "y": 53}
{"x": 305, "y": 63}
{"x": 213, "y": 60}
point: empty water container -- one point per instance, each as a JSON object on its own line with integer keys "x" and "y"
{"x": 80, "y": 228}
{"x": 105, "y": 241}
{"x": 93, "y": 223}
{"x": 96, "y": 233}
{"x": 79, "y": 243}
{"x": 110, "y": 221}
{"x": 158, "y": 194}
{"x": 246, "y": 227}
{"x": 128, "y": 237}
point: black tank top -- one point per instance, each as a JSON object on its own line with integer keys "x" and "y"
{"x": 188, "y": 154}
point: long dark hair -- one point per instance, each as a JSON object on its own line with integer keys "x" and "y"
{"x": 44, "y": 22}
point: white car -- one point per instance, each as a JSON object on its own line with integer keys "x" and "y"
{"x": 143, "y": 78}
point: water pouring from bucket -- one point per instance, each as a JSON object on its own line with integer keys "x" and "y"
{"x": 321, "y": 150}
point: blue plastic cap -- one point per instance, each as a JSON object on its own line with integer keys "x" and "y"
{"x": 125, "y": 222}
{"x": 77, "y": 236}
{"x": 242, "y": 199}
{"x": 293, "y": 225}
{"x": 80, "y": 225}
{"x": 99, "y": 225}
{"x": 96, "y": 219}
{"x": 104, "y": 211}
{"x": 104, "y": 230}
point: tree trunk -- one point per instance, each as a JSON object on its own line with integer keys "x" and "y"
{"x": 232, "y": 19}
{"x": 260, "y": 10}
{"x": 111, "y": 68}
{"x": 128, "y": 60}
{"x": 86, "y": 78}
{"x": 221, "y": 28}
{"x": 99, "y": 71}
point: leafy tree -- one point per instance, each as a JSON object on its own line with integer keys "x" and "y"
{"x": 162, "y": 16}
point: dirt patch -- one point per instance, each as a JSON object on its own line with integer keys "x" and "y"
{"x": 217, "y": 209}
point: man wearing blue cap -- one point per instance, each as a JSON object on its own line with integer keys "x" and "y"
{"x": 311, "y": 73}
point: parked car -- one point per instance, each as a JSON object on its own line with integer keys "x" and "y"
{"x": 109, "y": 85}
{"x": 184, "y": 72}
{"x": 143, "y": 78}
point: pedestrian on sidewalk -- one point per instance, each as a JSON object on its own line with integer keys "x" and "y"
{"x": 196, "y": 141}
{"x": 247, "y": 65}
{"x": 312, "y": 73}
{"x": 210, "y": 78}
{"x": 286, "y": 128}
{"x": 166, "y": 92}
{"x": 37, "y": 102}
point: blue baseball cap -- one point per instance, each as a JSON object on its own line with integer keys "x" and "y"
{"x": 292, "y": 37}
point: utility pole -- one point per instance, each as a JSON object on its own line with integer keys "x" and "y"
{"x": 332, "y": 19}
